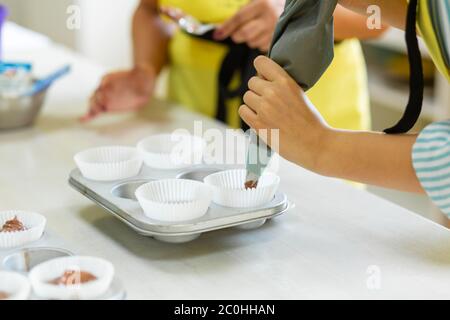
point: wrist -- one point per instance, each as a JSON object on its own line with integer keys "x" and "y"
{"x": 145, "y": 68}
{"x": 325, "y": 155}
{"x": 144, "y": 77}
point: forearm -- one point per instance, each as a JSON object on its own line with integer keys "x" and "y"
{"x": 348, "y": 24}
{"x": 150, "y": 37}
{"x": 393, "y": 12}
{"x": 371, "y": 158}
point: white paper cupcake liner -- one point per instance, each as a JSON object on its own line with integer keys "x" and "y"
{"x": 109, "y": 163}
{"x": 174, "y": 200}
{"x": 15, "y": 285}
{"x": 171, "y": 151}
{"x": 33, "y": 222}
{"x": 229, "y": 190}
{"x": 41, "y": 275}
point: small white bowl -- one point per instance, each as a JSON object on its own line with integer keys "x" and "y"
{"x": 229, "y": 189}
{"x": 15, "y": 285}
{"x": 42, "y": 274}
{"x": 33, "y": 222}
{"x": 171, "y": 151}
{"x": 174, "y": 200}
{"x": 109, "y": 163}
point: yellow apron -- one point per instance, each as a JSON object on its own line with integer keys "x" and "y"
{"x": 429, "y": 36}
{"x": 341, "y": 95}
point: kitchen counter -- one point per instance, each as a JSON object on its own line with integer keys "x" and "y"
{"x": 338, "y": 242}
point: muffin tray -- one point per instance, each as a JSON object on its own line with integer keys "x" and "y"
{"x": 118, "y": 198}
{"x": 50, "y": 246}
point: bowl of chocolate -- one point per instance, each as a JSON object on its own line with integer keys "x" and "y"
{"x": 14, "y": 286}
{"x": 72, "y": 278}
{"x": 18, "y": 228}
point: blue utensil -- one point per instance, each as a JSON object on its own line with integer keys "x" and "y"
{"x": 44, "y": 83}
{"x": 4, "y": 66}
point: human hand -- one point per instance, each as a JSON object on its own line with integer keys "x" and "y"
{"x": 122, "y": 91}
{"x": 254, "y": 24}
{"x": 276, "y": 101}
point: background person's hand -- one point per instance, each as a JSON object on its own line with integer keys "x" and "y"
{"x": 275, "y": 101}
{"x": 122, "y": 91}
{"x": 254, "y": 24}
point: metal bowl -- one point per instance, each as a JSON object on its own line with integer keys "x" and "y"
{"x": 18, "y": 112}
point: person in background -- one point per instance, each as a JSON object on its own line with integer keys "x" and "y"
{"x": 341, "y": 95}
{"x": 409, "y": 162}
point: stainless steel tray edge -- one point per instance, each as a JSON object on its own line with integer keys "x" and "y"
{"x": 185, "y": 229}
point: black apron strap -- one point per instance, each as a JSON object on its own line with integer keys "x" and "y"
{"x": 416, "y": 81}
{"x": 238, "y": 60}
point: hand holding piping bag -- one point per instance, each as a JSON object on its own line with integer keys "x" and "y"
{"x": 275, "y": 101}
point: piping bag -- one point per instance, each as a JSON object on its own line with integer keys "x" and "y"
{"x": 303, "y": 44}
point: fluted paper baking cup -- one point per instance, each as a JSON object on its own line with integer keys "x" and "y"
{"x": 109, "y": 163}
{"x": 174, "y": 200}
{"x": 171, "y": 151}
{"x": 14, "y": 285}
{"x": 229, "y": 189}
{"x": 41, "y": 276}
{"x": 33, "y": 222}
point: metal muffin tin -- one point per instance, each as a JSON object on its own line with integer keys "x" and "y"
{"x": 118, "y": 198}
{"x": 22, "y": 259}
{"x": 50, "y": 246}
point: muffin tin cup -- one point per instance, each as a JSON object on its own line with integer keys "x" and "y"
{"x": 23, "y": 260}
{"x": 109, "y": 163}
{"x": 174, "y": 200}
{"x": 171, "y": 151}
{"x": 14, "y": 285}
{"x": 229, "y": 190}
{"x": 50, "y": 246}
{"x": 33, "y": 222}
{"x": 41, "y": 275}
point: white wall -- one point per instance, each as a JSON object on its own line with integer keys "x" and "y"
{"x": 44, "y": 16}
{"x": 104, "y": 33}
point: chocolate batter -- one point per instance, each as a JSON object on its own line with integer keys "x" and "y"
{"x": 251, "y": 184}
{"x": 71, "y": 277}
{"x": 3, "y": 295}
{"x": 13, "y": 225}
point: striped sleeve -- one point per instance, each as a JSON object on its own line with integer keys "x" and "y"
{"x": 431, "y": 160}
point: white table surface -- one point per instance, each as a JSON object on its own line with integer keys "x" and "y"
{"x": 324, "y": 248}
